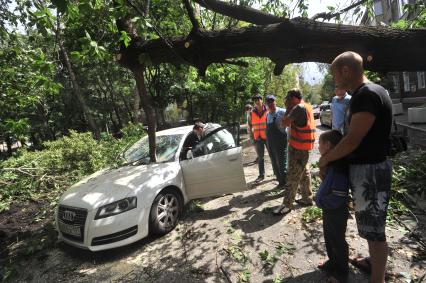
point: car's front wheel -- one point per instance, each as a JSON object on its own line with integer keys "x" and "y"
{"x": 165, "y": 212}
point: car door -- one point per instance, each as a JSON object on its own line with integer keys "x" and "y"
{"x": 216, "y": 167}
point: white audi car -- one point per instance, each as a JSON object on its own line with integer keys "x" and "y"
{"x": 116, "y": 207}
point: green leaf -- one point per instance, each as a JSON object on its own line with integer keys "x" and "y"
{"x": 148, "y": 24}
{"x": 135, "y": 19}
{"x": 87, "y": 35}
{"x": 264, "y": 255}
{"x": 75, "y": 55}
{"x": 125, "y": 38}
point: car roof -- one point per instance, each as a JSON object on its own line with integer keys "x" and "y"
{"x": 176, "y": 131}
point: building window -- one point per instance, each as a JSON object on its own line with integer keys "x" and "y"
{"x": 378, "y": 8}
{"x": 421, "y": 79}
{"x": 406, "y": 78}
{"x": 395, "y": 79}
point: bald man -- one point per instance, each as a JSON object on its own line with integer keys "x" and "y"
{"x": 366, "y": 145}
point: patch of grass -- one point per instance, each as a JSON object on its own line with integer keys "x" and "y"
{"x": 230, "y": 230}
{"x": 238, "y": 254}
{"x": 267, "y": 258}
{"x": 278, "y": 279}
{"x": 285, "y": 248}
{"x": 311, "y": 214}
{"x": 274, "y": 192}
{"x": 195, "y": 206}
{"x": 244, "y": 276}
{"x": 315, "y": 183}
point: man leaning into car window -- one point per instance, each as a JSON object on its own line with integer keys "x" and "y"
{"x": 192, "y": 139}
{"x": 202, "y": 130}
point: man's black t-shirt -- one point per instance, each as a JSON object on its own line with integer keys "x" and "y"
{"x": 374, "y": 99}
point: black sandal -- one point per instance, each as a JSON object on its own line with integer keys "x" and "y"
{"x": 362, "y": 264}
{"x": 326, "y": 266}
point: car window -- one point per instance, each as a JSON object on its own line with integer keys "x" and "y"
{"x": 166, "y": 149}
{"x": 325, "y": 107}
{"x": 219, "y": 141}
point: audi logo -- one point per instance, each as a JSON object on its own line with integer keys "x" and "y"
{"x": 68, "y": 215}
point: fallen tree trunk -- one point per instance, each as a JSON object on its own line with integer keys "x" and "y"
{"x": 291, "y": 41}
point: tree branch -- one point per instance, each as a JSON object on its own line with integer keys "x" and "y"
{"x": 191, "y": 14}
{"x": 330, "y": 15}
{"x": 291, "y": 41}
{"x": 238, "y": 12}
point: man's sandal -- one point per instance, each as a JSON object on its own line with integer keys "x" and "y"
{"x": 325, "y": 266}
{"x": 303, "y": 204}
{"x": 362, "y": 263}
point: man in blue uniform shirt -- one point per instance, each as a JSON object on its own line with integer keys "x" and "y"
{"x": 339, "y": 104}
{"x": 276, "y": 138}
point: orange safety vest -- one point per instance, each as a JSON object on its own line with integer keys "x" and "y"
{"x": 303, "y": 138}
{"x": 258, "y": 125}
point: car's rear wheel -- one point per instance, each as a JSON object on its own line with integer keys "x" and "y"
{"x": 165, "y": 212}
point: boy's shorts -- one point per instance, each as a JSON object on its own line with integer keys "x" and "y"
{"x": 371, "y": 187}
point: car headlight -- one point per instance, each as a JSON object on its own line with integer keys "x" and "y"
{"x": 116, "y": 207}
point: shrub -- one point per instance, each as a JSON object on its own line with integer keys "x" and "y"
{"x": 47, "y": 173}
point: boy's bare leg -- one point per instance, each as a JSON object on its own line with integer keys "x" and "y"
{"x": 378, "y": 258}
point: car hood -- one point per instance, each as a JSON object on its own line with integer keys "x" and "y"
{"x": 110, "y": 185}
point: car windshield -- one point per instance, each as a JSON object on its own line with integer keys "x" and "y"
{"x": 166, "y": 149}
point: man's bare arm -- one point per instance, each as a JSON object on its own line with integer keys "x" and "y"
{"x": 361, "y": 123}
{"x": 249, "y": 124}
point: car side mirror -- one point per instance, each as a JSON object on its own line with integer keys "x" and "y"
{"x": 189, "y": 154}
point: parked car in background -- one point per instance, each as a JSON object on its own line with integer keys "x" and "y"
{"x": 316, "y": 111}
{"x": 118, "y": 206}
{"x": 325, "y": 115}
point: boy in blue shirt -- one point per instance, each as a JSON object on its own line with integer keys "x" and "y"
{"x": 332, "y": 198}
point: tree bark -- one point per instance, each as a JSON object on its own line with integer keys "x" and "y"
{"x": 291, "y": 41}
{"x": 147, "y": 106}
{"x": 242, "y": 13}
{"x": 136, "y": 106}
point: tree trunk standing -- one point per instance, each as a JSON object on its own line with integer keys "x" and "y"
{"x": 136, "y": 106}
{"x": 8, "y": 140}
{"x": 235, "y": 111}
{"x": 190, "y": 105}
{"x": 117, "y": 114}
{"x": 77, "y": 91}
{"x": 147, "y": 106}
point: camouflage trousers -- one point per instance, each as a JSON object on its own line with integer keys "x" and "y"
{"x": 298, "y": 176}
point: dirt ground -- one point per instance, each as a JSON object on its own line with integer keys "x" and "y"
{"x": 232, "y": 238}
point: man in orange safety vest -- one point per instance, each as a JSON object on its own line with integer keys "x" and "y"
{"x": 257, "y": 128}
{"x": 300, "y": 118}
